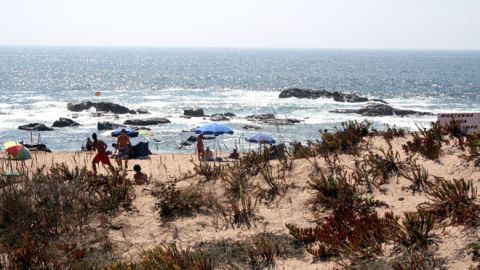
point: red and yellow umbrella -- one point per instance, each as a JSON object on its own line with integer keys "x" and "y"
{"x": 16, "y": 151}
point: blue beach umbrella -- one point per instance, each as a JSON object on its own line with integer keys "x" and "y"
{"x": 213, "y": 129}
{"x": 260, "y": 138}
{"x": 132, "y": 133}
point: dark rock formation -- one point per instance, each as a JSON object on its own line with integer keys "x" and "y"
{"x": 270, "y": 119}
{"x": 142, "y": 111}
{"x": 322, "y": 93}
{"x": 250, "y": 127}
{"x": 340, "y": 97}
{"x": 35, "y": 127}
{"x": 147, "y": 122}
{"x": 192, "y": 139}
{"x": 194, "y": 112}
{"x": 219, "y": 117}
{"x": 65, "y": 122}
{"x": 99, "y": 106}
{"x": 37, "y": 147}
{"x": 379, "y": 109}
{"x": 108, "y": 125}
{"x": 229, "y": 114}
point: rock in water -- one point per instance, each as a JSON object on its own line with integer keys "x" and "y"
{"x": 340, "y": 97}
{"x": 99, "y": 106}
{"x": 194, "y": 112}
{"x": 142, "y": 111}
{"x": 379, "y": 109}
{"x": 35, "y": 127}
{"x": 250, "y": 127}
{"x": 270, "y": 119}
{"x": 65, "y": 122}
{"x": 322, "y": 93}
{"x": 147, "y": 122}
{"x": 192, "y": 139}
{"x": 219, "y": 117}
{"x": 108, "y": 125}
{"x": 305, "y": 93}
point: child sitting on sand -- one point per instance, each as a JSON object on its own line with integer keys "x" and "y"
{"x": 208, "y": 154}
{"x": 234, "y": 154}
{"x": 139, "y": 177}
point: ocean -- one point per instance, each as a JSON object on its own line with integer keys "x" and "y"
{"x": 36, "y": 83}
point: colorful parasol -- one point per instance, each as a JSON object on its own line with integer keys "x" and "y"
{"x": 17, "y": 152}
{"x": 9, "y": 144}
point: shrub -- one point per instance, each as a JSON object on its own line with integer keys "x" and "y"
{"x": 417, "y": 260}
{"x": 419, "y": 177}
{"x": 262, "y": 253}
{"x": 428, "y": 142}
{"x": 240, "y": 199}
{"x": 455, "y": 130}
{"x": 345, "y": 140}
{"x": 383, "y": 165}
{"x": 473, "y": 143}
{"x": 209, "y": 170}
{"x": 362, "y": 176}
{"x": 356, "y": 231}
{"x": 168, "y": 257}
{"x": 415, "y": 232}
{"x": 175, "y": 202}
{"x": 253, "y": 162}
{"x": 274, "y": 186}
{"x": 301, "y": 151}
{"x": 47, "y": 208}
{"x": 474, "y": 250}
{"x": 455, "y": 199}
{"x": 331, "y": 190}
{"x": 407, "y": 261}
{"x": 392, "y": 133}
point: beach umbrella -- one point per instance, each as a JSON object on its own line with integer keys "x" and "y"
{"x": 132, "y": 133}
{"x": 213, "y": 129}
{"x": 260, "y": 138}
{"x": 9, "y": 144}
{"x": 18, "y": 152}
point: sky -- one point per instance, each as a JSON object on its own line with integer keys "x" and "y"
{"x": 356, "y": 24}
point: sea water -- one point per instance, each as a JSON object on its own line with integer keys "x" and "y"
{"x": 36, "y": 83}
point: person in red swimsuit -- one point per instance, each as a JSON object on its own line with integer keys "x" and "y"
{"x": 200, "y": 147}
{"x": 101, "y": 156}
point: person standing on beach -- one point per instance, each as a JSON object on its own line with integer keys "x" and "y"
{"x": 101, "y": 156}
{"x": 123, "y": 147}
{"x": 200, "y": 146}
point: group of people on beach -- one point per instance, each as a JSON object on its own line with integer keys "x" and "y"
{"x": 207, "y": 154}
{"x": 122, "y": 148}
{"x": 122, "y": 152}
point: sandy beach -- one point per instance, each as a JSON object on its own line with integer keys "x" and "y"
{"x": 142, "y": 228}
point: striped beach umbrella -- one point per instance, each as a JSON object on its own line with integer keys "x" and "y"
{"x": 18, "y": 152}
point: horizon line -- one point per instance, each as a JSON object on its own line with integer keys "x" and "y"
{"x": 235, "y": 48}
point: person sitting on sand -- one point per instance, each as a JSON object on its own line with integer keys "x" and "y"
{"x": 209, "y": 154}
{"x": 101, "y": 156}
{"x": 139, "y": 177}
{"x": 234, "y": 154}
{"x": 200, "y": 147}
{"x": 123, "y": 148}
{"x": 88, "y": 144}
